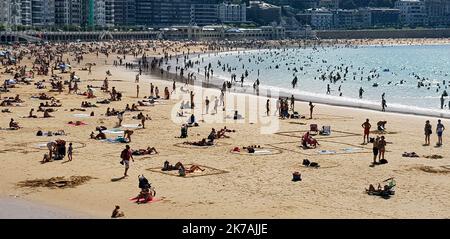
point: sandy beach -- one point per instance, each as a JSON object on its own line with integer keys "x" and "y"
{"x": 233, "y": 185}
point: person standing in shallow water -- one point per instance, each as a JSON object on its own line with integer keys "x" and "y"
{"x": 383, "y": 105}
{"x": 361, "y": 91}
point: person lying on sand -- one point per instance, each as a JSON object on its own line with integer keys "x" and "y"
{"x": 142, "y": 103}
{"x": 99, "y": 136}
{"x": 148, "y": 151}
{"x": 86, "y": 104}
{"x": 13, "y": 124}
{"x": 116, "y": 213}
{"x": 182, "y": 171}
{"x": 381, "y": 125}
{"x": 105, "y": 101}
{"x": 6, "y": 111}
{"x": 251, "y": 148}
{"x": 202, "y": 142}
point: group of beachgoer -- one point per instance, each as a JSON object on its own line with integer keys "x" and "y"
{"x": 439, "y": 131}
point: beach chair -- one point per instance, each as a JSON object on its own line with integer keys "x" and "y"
{"x": 326, "y": 130}
{"x": 313, "y": 128}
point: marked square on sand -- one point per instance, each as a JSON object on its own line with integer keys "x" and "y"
{"x": 208, "y": 171}
{"x": 325, "y": 148}
{"x": 334, "y": 134}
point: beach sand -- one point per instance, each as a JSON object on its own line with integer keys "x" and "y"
{"x": 239, "y": 185}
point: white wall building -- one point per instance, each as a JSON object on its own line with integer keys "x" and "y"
{"x": 322, "y": 19}
{"x": 412, "y": 12}
{"x": 232, "y": 13}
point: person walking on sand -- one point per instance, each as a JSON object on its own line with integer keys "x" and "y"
{"x": 70, "y": 152}
{"x": 428, "y": 132}
{"x": 126, "y": 155}
{"x": 120, "y": 117}
{"x": 366, "y": 126}
{"x": 381, "y": 148}
{"x": 207, "y": 104}
{"x": 439, "y": 130}
{"x": 375, "y": 149}
{"x": 267, "y": 107}
{"x": 311, "y": 109}
{"x": 216, "y": 104}
{"x": 174, "y": 87}
{"x": 328, "y": 89}
{"x": 137, "y": 91}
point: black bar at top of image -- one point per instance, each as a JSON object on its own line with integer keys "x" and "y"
{"x": 222, "y": 228}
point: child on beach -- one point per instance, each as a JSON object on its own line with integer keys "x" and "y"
{"x": 116, "y": 213}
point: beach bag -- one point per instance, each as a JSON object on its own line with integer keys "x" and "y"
{"x": 306, "y": 162}
{"x": 314, "y": 164}
{"x": 296, "y": 176}
{"x": 251, "y": 150}
{"x": 383, "y": 161}
{"x": 39, "y": 133}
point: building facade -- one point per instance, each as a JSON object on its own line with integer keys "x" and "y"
{"x": 383, "y": 17}
{"x": 163, "y": 13}
{"x": 25, "y": 12}
{"x": 232, "y": 13}
{"x": 68, "y": 12}
{"x": 351, "y": 18}
{"x": 412, "y": 12}
{"x": 203, "y": 14}
{"x": 43, "y": 12}
{"x": 437, "y": 14}
{"x": 125, "y": 12}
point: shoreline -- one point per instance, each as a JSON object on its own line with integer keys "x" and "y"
{"x": 300, "y": 96}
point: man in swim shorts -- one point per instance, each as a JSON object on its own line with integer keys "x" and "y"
{"x": 126, "y": 155}
{"x": 366, "y": 125}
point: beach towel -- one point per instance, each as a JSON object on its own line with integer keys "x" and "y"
{"x": 142, "y": 201}
{"x": 116, "y": 140}
{"x": 326, "y": 152}
{"x": 132, "y": 126}
{"x": 351, "y": 150}
{"x": 113, "y": 131}
{"x": 81, "y": 115}
{"x": 262, "y": 151}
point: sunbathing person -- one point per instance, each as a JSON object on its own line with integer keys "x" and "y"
{"x": 116, "y": 213}
{"x": 142, "y": 103}
{"x": 46, "y": 159}
{"x": 13, "y": 124}
{"x": 105, "y": 101}
{"x": 31, "y": 115}
{"x": 307, "y": 139}
{"x": 46, "y": 114}
{"x": 127, "y": 134}
{"x": 100, "y": 135}
{"x": 182, "y": 171}
{"x": 148, "y": 151}
{"x": 381, "y": 125}
{"x": 134, "y": 108}
{"x": 202, "y": 142}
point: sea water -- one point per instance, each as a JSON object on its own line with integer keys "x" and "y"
{"x": 396, "y": 71}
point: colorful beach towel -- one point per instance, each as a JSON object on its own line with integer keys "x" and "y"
{"x": 81, "y": 115}
{"x": 132, "y": 126}
{"x": 142, "y": 201}
{"x": 80, "y": 123}
{"x": 113, "y": 131}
